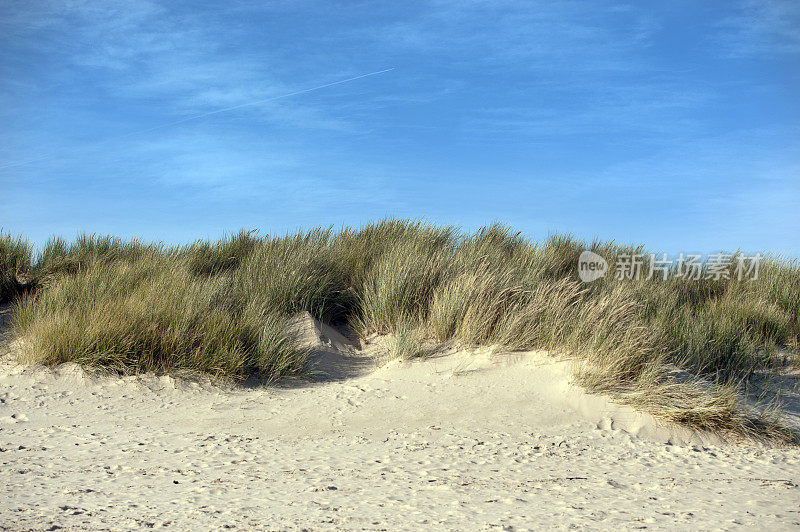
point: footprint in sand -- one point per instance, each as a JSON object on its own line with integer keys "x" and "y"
{"x": 605, "y": 424}
{"x": 14, "y": 418}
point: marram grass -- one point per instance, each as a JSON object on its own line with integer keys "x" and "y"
{"x": 220, "y": 308}
{"x": 15, "y": 260}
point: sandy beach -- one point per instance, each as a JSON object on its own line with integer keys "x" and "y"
{"x": 461, "y": 441}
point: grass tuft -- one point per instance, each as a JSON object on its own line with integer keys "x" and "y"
{"x": 15, "y": 264}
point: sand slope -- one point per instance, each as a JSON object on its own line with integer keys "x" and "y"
{"x": 461, "y": 441}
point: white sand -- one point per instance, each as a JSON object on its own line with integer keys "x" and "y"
{"x": 463, "y": 441}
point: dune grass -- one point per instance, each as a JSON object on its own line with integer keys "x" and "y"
{"x": 220, "y": 308}
{"x": 150, "y": 314}
{"x": 15, "y": 261}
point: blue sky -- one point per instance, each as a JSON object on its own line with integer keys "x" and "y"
{"x": 674, "y": 124}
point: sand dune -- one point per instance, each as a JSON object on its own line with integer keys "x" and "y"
{"x": 463, "y": 440}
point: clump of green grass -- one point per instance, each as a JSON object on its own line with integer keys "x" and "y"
{"x": 407, "y": 341}
{"x": 220, "y": 307}
{"x": 401, "y": 283}
{"x": 151, "y": 314}
{"x": 212, "y": 258}
{"x": 359, "y": 250}
{"x": 15, "y": 262}
{"x": 61, "y": 258}
{"x": 295, "y": 273}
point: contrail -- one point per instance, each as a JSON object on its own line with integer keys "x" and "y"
{"x": 218, "y": 111}
{"x": 225, "y": 110}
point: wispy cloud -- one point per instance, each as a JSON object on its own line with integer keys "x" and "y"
{"x": 662, "y": 113}
{"x": 140, "y": 52}
{"x": 541, "y": 35}
{"x": 761, "y": 27}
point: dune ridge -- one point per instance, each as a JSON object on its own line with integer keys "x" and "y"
{"x": 222, "y": 308}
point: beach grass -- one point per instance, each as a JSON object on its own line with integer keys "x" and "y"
{"x": 220, "y": 308}
{"x": 16, "y": 256}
